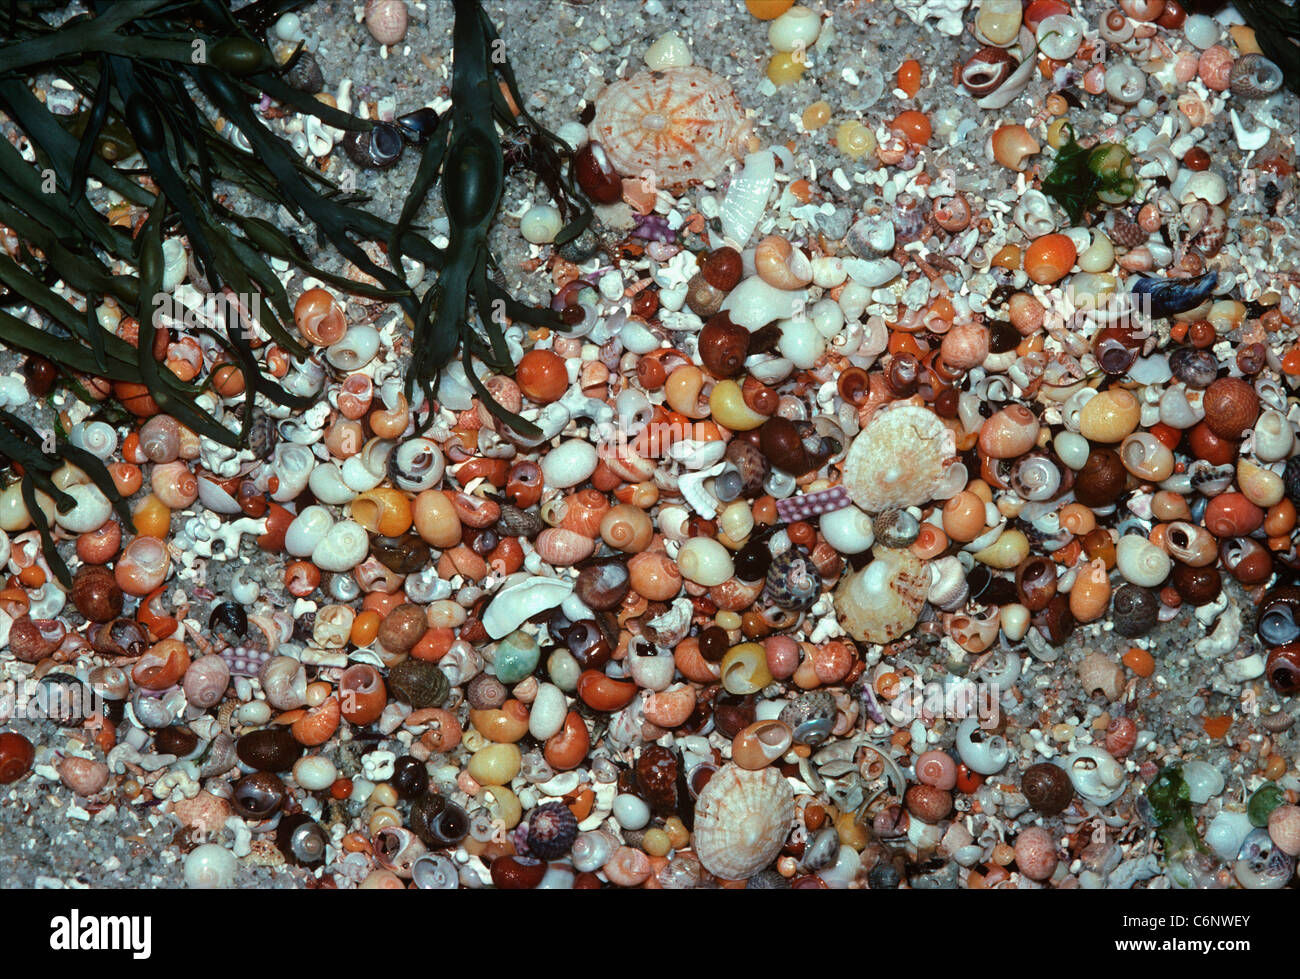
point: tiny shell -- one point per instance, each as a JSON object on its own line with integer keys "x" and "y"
{"x": 742, "y": 819}
{"x": 678, "y": 124}
{"x": 900, "y": 459}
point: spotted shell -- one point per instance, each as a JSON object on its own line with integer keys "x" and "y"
{"x": 808, "y": 505}
{"x": 883, "y": 600}
{"x": 811, "y": 716}
{"x": 900, "y": 459}
{"x": 678, "y": 124}
{"x": 742, "y": 819}
{"x": 792, "y": 581}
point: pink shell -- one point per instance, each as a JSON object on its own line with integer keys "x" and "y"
{"x": 675, "y": 125}
{"x": 1215, "y": 67}
{"x": 386, "y": 20}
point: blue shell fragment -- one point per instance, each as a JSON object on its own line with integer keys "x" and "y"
{"x": 1172, "y": 296}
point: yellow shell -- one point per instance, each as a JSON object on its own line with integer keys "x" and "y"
{"x": 742, "y": 819}
{"x": 670, "y": 126}
{"x": 900, "y": 459}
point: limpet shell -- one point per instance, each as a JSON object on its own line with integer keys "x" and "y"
{"x": 883, "y": 600}
{"x": 900, "y": 459}
{"x": 742, "y": 819}
{"x": 678, "y": 124}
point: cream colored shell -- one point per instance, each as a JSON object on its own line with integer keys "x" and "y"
{"x": 742, "y": 819}
{"x": 670, "y": 126}
{"x": 900, "y": 458}
{"x": 883, "y": 600}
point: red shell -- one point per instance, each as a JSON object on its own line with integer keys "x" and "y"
{"x": 16, "y": 757}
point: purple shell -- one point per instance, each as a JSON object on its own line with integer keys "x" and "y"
{"x": 653, "y": 227}
{"x": 245, "y": 660}
{"x": 807, "y": 505}
{"x": 552, "y": 828}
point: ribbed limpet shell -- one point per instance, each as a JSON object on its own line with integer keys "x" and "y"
{"x": 883, "y": 600}
{"x": 742, "y": 819}
{"x": 678, "y": 124}
{"x": 900, "y": 459}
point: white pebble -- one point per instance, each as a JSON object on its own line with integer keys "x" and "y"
{"x": 573, "y": 134}
{"x": 254, "y": 714}
{"x": 1201, "y": 31}
{"x": 800, "y": 343}
{"x": 541, "y": 224}
{"x": 670, "y": 51}
{"x": 289, "y": 27}
{"x": 630, "y": 811}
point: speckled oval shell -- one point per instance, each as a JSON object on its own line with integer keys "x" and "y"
{"x": 742, "y": 819}
{"x": 680, "y": 124}
{"x": 883, "y": 600}
{"x": 899, "y": 459}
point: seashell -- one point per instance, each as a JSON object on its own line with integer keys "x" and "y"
{"x": 810, "y": 716}
{"x": 849, "y": 530}
{"x": 871, "y": 237}
{"x": 435, "y": 872}
{"x": 1098, "y": 672}
{"x": 284, "y": 681}
{"x": 1254, "y": 76}
{"x": 1141, "y": 562}
{"x": 416, "y": 464}
{"x": 1261, "y": 864}
{"x": 1278, "y": 622}
{"x": 760, "y": 744}
{"x": 671, "y": 126}
{"x": 205, "y": 681}
{"x": 903, "y": 457}
{"x": 948, "y": 588}
{"x": 357, "y": 348}
{"x": 753, "y": 304}
{"x": 883, "y": 600}
{"x": 742, "y": 820}
{"x": 397, "y": 848}
{"x": 792, "y": 580}
{"x": 895, "y": 527}
{"x": 520, "y": 598}
{"x": 1095, "y": 775}
{"x": 1168, "y": 297}
{"x": 987, "y": 69}
{"x": 590, "y": 851}
{"x": 418, "y": 683}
